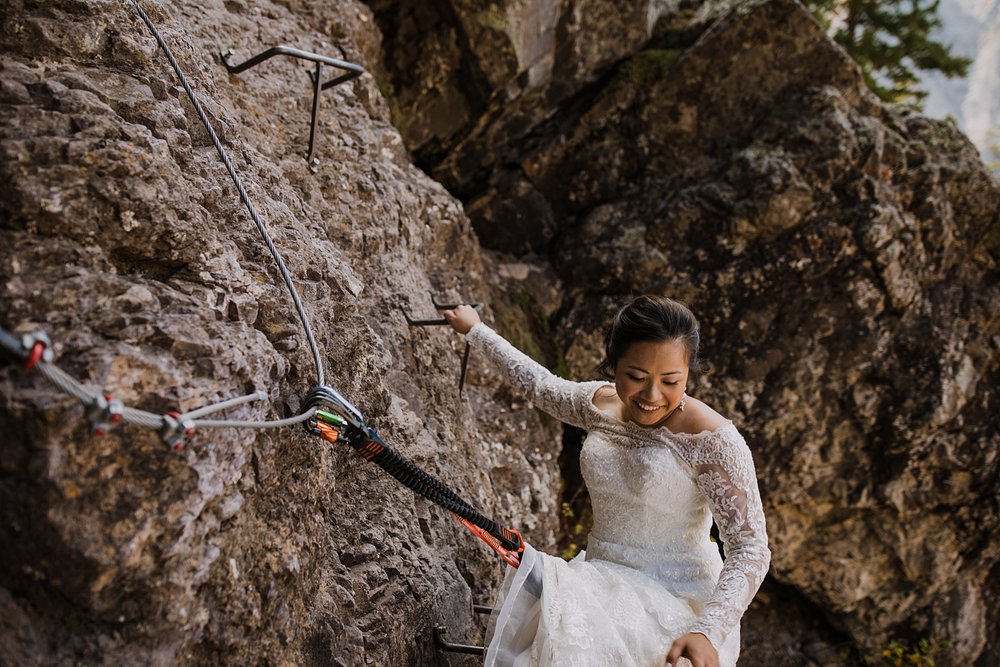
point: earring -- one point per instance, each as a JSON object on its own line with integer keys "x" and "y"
{"x": 683, "y": 402}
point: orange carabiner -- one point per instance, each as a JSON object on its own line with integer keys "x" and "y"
{"x": 513, "y": 557}
{"x": 327, "y": 432}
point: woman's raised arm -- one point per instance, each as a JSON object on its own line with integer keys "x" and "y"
{"x": 563, "y": 399}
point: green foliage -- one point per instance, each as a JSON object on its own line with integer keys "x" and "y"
{"x": 993, "y": 148}
{"x": 524, "y": 323}
{"x": 399, "y": 117}
{"x": 575, "y": 529}
{"x": 514, "y": 325}
{"x": 385, "y": 86}
{"x": 890, "y": 41}
{"x": 647, "y": 67}
{"x": 905, "y": 654}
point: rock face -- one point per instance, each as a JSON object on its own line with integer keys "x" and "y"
{"x": 124, "y": 239}
{"x": 842, "y": 255}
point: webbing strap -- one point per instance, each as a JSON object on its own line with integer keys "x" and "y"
{"x": 366, "y": 442}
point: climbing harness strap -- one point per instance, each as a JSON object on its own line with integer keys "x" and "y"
{"x": 335, "y": 419}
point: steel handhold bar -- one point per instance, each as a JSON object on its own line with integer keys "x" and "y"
{"x": 316, "y": 76}
{"x": 439, "y": 321}
{"x": 285, "y": 50}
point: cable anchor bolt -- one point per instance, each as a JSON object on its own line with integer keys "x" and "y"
{"x": 176, "y": 429}
{"x": 104, "y": 414}
{"x": 39, "y": 348}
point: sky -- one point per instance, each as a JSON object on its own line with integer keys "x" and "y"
{"x": 972, "y": 28}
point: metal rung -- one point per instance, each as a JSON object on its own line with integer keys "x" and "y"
{"x": 352, "y": 71}
{"x": 439, "y": 632}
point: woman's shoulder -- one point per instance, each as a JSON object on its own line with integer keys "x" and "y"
{"x": 708, "y": 438}
{"x": 698, "y": 418}
{"x": 605, "y": 397}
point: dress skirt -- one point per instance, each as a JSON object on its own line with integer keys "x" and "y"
{"x": 591, "y": 612}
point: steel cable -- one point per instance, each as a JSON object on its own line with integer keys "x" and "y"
{"x": 242, "y": 192}
{"x": 69, "y": 385}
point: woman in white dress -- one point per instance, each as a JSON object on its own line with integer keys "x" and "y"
{"x": 651, "y": 588}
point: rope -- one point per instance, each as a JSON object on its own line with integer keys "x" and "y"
{"x": 242, "y": 192}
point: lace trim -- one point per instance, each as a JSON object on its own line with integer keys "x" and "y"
{"x": 725, "y": 474}
{"x": 560, "y": 398}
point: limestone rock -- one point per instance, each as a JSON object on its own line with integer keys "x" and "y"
{"x": 841, "y": 254}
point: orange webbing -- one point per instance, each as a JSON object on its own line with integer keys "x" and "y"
{"x": 371, "y": 450}
{"x": 513, "y": 558}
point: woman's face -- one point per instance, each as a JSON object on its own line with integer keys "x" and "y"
{"x": 650, "y": 379}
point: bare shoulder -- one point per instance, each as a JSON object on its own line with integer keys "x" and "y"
{"x": 698, "y": 417}
{"x": 606, "y": 400}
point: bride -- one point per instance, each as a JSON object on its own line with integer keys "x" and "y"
{"x": 651, "y": 588}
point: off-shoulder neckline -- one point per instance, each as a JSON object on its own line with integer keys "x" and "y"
{"x": 647, "y": 430}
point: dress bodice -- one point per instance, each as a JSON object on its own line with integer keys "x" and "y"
{"x": 643, "y": 497}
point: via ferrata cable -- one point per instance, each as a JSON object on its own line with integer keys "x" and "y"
{"x": 34, "y": 352}
{"x": 244, "y": 197}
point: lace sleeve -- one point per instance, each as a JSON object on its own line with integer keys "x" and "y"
{"x": 724, "y": 471}
{"x": 563, "y": 399}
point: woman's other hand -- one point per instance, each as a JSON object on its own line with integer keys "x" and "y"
{"x": 462, "y": 319}
{"x": 695, "y": 647}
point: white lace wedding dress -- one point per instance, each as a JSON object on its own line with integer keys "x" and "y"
{"x": 650, "y": 573}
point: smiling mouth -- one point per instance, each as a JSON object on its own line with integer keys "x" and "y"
{"x": 645, "y": 407}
